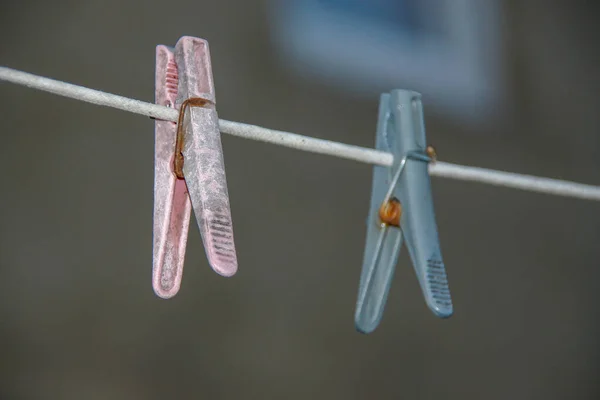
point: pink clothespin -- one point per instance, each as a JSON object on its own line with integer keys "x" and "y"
{"x": 189, "y": 167}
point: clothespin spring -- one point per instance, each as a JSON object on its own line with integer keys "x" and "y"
{"x": 391, "y": 209}
{"x": 191, "y": 102}
{"x": 178, "y": 162}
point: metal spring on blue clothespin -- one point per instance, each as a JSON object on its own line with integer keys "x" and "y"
{"x": 401, "y": 208}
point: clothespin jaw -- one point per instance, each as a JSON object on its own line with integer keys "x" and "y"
{"x": 189, "y": 167}
{"x": 401, "y": 209}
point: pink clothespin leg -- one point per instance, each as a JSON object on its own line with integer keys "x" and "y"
{"x": 189, "y": 167}
{"x": 172, "y": 205}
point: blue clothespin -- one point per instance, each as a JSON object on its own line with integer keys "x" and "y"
{"x": 401, "y": 207}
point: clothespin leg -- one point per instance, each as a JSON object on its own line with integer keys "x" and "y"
{"x": 414, "y": 193}
{"x": 383, "y": 242}
{"x": 376, "y": 278}
{"x": 204, "y": 166}
{"x": 172, "y": 207}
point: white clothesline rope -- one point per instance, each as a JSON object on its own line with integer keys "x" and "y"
{"x": 305, "y": 143}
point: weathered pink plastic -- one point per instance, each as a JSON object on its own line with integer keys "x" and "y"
{"x": 204, "y": 166}
{"x": 182, "y": 74}
{"x": 172, "y": 206}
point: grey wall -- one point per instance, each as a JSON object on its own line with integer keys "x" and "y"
{"x": 78, "y": 318}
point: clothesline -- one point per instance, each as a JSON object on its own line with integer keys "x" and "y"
{"x": 306, "y": 143}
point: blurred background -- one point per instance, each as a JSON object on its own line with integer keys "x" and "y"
{"x": 506, "y": 85}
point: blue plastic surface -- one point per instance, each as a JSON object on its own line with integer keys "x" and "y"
{"x": 401, "y": 131}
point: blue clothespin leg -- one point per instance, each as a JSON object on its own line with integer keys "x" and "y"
{"x": 401, "y": 207}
